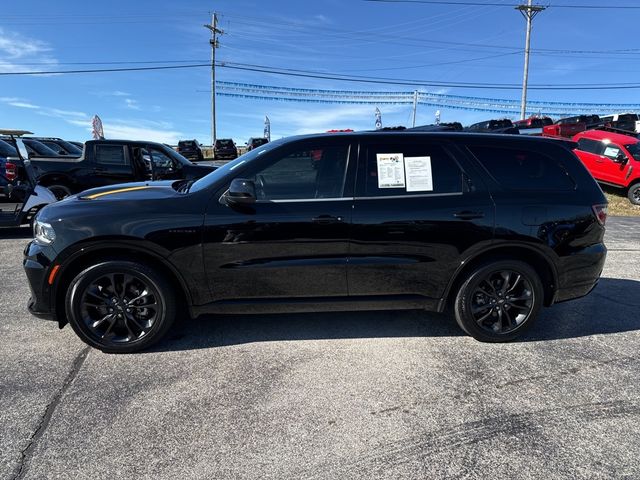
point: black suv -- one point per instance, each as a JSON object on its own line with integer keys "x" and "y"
{"x": 190, "y": 149}
{"x": 492, "y": 226}
{"x": 254, "y": 142}
{"x": 225, "y": 148}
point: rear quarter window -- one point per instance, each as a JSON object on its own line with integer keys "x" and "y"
{"x": 111, "y": 155}
{"x": 522, "y": 169}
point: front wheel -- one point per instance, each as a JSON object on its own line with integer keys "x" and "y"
{"x": 499, "y": 300}
{"x": 120, "y": 306}
{"x": 633, "y": 194}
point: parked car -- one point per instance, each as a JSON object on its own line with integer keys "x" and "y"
{"x": 255, "y": 142}
{"x": 623, "y": 121}
{"x": 224, "y": 148}
{"x": 493, "y": 226}
{"x": 20, "y": 199}
{"x": 533, "y": 122}
{"x": 191, "y": 150}
{"x": 107, "y": 162}
{"x": 494, "y": 126}
{"x": 35, "y": 149}
{"x": 612, "y": 158}
{"x": 570, "y": 126}
{"x": 60, "y": 146}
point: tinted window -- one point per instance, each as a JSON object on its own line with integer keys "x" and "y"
{"x": 161, "y": 160}
{"x": 304, "y": 174}
{"x": 417, "y": 169}
{"x": 39, "y": 149}
{"x": 590, "y": 146}
{"x": 111, "y": 155}
{"x": 6, "y": 150}
{"x": 634, "y": 150}
{"x": 517, "y": 169}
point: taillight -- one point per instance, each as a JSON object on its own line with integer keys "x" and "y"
{"x": 600, "y": 211}
{"x": 10, "y": 171}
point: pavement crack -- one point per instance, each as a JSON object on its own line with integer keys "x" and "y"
{"x": 23, "y": 466}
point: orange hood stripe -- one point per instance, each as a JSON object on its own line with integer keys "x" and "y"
{"x": 119, "y": 190}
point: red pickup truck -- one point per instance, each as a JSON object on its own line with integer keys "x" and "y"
{"x": 612, "y": 158}
{"x": 568, "y": 127}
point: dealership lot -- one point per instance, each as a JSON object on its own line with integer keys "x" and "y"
{"x": 350, "y": 395}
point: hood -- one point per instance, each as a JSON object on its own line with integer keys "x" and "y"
{"x": 130, "y": 191}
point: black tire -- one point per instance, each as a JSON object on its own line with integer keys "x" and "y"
{"x": 120, "y": 306}
{"x": 498, "y": 300}
{"x": 60, "y": 191}
{"x": 633, "y": 194}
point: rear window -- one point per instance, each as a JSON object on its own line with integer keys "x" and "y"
{"x": 111, "y": 155}
{"x": 406, "y": 169}
{"x": 519, "y": 169}
{"x": 187, "y": 144}
{"x": 6, "y": 150}
{"x": 224, "y": 143}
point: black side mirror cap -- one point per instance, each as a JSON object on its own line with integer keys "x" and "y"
{"x": 241, "y": 192}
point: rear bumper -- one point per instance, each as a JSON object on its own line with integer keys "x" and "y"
{"x": 580, "y": 272}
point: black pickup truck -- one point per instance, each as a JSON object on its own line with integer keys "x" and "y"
{"x": 107, "y": 162}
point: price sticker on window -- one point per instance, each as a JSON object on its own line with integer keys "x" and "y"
{"x": 390, "y": 170}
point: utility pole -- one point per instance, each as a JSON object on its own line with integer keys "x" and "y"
{"x": 215, "y": 31}
{"x": 529, "y": 12}
{"x": 415, "y": 107}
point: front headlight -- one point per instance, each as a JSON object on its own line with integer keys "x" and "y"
{"x": 43, "y": 233}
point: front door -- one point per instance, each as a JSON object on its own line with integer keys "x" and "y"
{"x": 417, "y": 209}
{"x": 614, "y": 164}
{"x": 293, "y": 242}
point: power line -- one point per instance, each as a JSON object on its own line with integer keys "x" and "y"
{"x": 482, "y": 4}
{"x": 336, "y": 77}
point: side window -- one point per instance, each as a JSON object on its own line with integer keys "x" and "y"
{"x": 590, "y": 146}
{"x": 161, "y": 160}
{"x": 317, "y": 172}
{"x": 517, "y": 169}
{"x": 416, "y": 169}
{"x": 111, "y": 155}
{"x": 612, "y": 151}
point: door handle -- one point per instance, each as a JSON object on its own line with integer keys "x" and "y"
{"x": 326, "y": 219}
{"x": 468, "y": 215}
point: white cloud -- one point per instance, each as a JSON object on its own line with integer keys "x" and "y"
{"x": 131, "y": 104}
{"x": 132, "y": 130}
{"x": 24, "y": 105}
{"x": 16, "y": 49}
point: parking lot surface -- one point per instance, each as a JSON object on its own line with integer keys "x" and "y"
{"x": 349, "y": 395}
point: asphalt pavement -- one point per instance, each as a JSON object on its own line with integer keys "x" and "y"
{"x": 382, "y": 395}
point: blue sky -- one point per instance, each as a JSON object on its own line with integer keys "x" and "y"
{"x": 354, "y": 37}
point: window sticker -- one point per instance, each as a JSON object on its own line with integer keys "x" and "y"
{"x": 611, "y": 152}
{"x": 419, "y": 174}
{"x": 390, "y": 170}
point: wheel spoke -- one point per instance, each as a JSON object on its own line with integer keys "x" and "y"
{"x": 144, "y": 294}
{"x": 515, "y": 284}
{"x": 133, "y": 319}
{"x": 505, "y": 312}
{"x": 484, "y": 317}
{"x": 111, "y": 324}
{"x": 99, "y": 322}
{"x": 96, "y": 299}
{"x": 506, "y": 276}
{"x": 480, "y": 308}
{"x": 525, "y": 296}
{"x": 520, "y": 307}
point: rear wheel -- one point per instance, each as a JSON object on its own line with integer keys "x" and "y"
{"x": 120, "y": 306}
{"x": 633, "y": 194}
{"x": 499, "y": 300}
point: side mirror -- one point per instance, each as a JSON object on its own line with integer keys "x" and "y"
{"x": 620, "y": 158}
{"x": 241, "y": 192}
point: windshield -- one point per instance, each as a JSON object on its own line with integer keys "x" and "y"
{"x": 634, "y": 150}
{"x": 39, "y": 149}
{"x": 7, "y": 150}
{"x": 220, "y": 173}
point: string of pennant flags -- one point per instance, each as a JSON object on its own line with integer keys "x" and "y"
{"x": 441, "y": 100}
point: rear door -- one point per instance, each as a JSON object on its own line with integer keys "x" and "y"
{"x": 419, "y": 207}
{"x": 590, "y": 153}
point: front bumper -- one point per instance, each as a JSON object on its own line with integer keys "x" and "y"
{"x": 37, "y": 265}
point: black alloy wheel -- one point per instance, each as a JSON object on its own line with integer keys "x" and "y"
{"x": 120, "y": 306}
{"x": 499, "y": 300}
